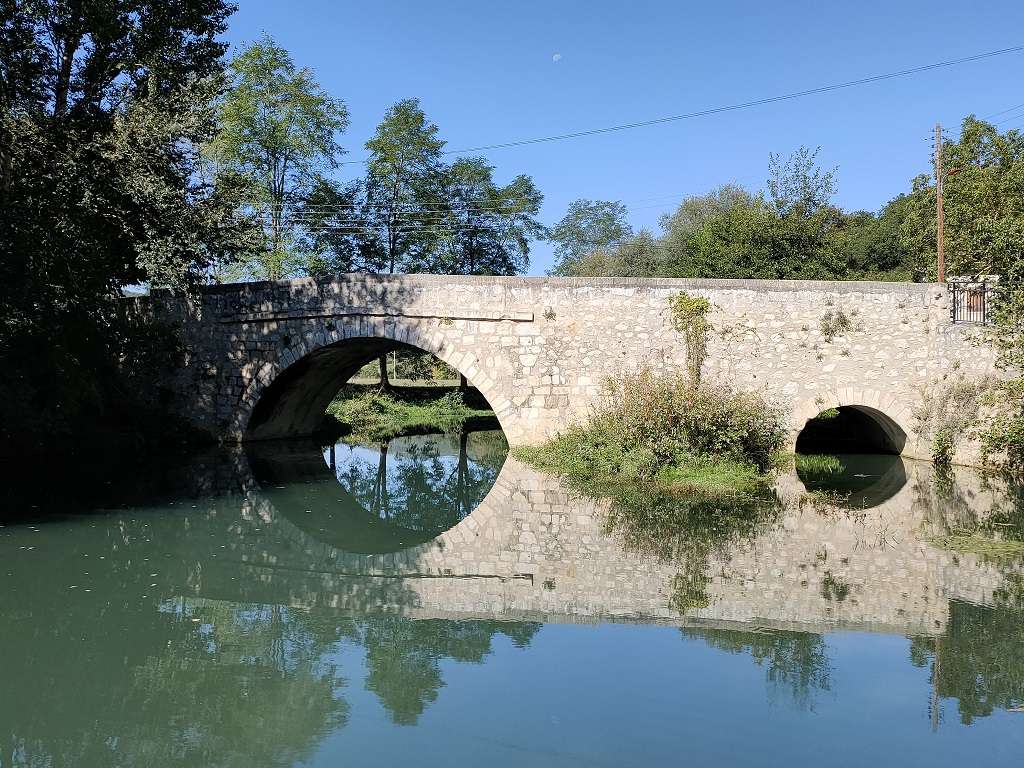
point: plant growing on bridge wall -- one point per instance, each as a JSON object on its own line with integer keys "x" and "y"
{"x": 690, "y": 318}
{"x": 834, "y": 323}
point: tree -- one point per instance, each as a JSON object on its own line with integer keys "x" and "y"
{"x": 404, "y": 177}
{"x": 793, "y": 233}
{"x": 984, "y": 205}
{"x": 798, "y": 185}
{"x": 278, "y": 132}
{"x": 485, "y": 229}
{"x": 874, "y": 246}
{"x": 642, "y": 255}
{"x": 696, "y": 212}
{"x": 587, "y": 226}
{"x": 102, "y": 111}
{"x": 331, "y": 231}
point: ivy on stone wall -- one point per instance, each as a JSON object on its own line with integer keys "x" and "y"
{"x": 690, "y": 318}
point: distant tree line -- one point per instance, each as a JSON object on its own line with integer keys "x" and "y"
{"x": 793, "y": 230}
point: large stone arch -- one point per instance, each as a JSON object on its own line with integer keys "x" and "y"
{"x": 333, "y": 350}
{"x": 893, "y": 414}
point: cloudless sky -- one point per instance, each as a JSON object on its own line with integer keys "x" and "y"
{"x": 488, "y": 72}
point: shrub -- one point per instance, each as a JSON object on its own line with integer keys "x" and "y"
{"x": 1002, "y": 434}
{"x": 381, "y": 415}
{"x": 669, "y": 428}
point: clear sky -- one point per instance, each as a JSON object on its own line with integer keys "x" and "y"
{"x": 488, "y": 72}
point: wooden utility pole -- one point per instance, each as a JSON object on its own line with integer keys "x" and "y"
{"x": 940, "y": 235}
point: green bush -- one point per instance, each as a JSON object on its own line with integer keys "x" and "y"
{"x": 670, "y": 429}
{"x": 1002, "y": 434}
{"x": 379, "y": 415}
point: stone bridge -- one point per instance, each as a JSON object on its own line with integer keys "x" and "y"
{"x": 264, "y": 359}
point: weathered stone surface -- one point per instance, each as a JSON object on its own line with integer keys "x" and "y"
{"x": 534, "y": 551}
{"x": 538, "y": 348}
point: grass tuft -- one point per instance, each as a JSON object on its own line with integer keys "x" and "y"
{"x": 380, "y": 415}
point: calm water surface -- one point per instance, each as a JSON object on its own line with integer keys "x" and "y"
{"x": 429, "y": 602}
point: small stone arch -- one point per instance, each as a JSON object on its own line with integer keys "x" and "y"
{"x": 262, "y": 375}
{"x": 891, "y": 414}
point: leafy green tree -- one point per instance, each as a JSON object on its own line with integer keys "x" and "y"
{"x": 102, "y": 109}
{"x": 693, "y": 214}
{"x": 588, "y": 226}
{"x": 331, "y": 233}
{"x": 404, "y": 178}
{"x": 794, "y": 232}
{"x": 984, "y": 200}
{"x": 798, "y": 185}
{"x": 278, "y": 131}
{"x": 984, "y": 208}
{"x": 874, "y": 246}
{"x": 639, "y": 256}
{"x": 483, "y": 228}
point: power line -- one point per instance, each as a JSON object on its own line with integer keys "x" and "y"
{"x": 1003, "y": 112}
{"x": 726, "y": 108}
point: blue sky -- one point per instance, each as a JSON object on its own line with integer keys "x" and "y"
{"x": 489, "y": 72}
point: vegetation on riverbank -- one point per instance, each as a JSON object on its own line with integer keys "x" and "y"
{"x": 669, "y": 432}
{"x": 376, "y": 414}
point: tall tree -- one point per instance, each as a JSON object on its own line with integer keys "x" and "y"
{"x": 102, "y": 109}
{"x": 278, "y": 131}
{"x": 404, "y": 178}
{"x": 587, "y": 226}
{"x": 485, "y": 229}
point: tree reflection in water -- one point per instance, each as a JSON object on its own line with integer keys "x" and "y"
{"x": 172, "y": 684}
{"x": 979, "y": 661}
{"x": 169, "y": 632}
{"x": 425, "y": 483}
{"x": 193, "y": 682}
{"x": 686, "y": 529}
{"x": 403, "y": 657}
{"x": 796, "y": 663}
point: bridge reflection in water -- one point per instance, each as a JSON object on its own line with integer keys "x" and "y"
{"x": 223, "y": 622}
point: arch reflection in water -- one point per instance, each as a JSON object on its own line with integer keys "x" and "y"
{"x": 861, "y": 480}
{"x": 380, "y": 497}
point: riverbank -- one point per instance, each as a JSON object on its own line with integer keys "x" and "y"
{"x": 668, "y": 434}
{"x": 376, "y": 413}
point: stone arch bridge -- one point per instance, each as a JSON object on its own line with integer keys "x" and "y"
{"x": 264, "y": 359}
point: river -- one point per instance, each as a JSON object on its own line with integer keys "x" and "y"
{"x": 432, "y": 601}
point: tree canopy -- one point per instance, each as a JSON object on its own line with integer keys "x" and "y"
{"x": 103, "y": 107}
{"x": 278, "y": 135}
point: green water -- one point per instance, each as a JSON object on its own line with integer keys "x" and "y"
{"x": 297, "y": 604}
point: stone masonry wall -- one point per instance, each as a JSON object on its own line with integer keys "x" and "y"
{"x": 538, "y": 348}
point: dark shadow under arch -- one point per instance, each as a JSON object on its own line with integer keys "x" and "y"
{"x": 851, "y": 429}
